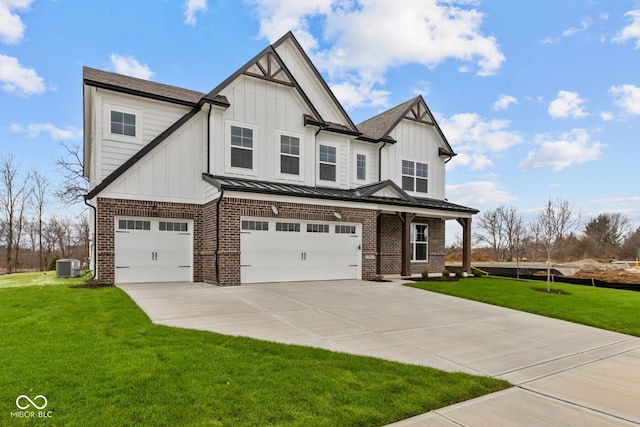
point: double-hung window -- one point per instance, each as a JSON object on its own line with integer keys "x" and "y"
{"x": 361, "y": 167}
{"x": 123, "y": 123}
{"x": 241, "y": 147}
{"x": 289, "y": 155}
{"x": 415, "y": 176}
{"x": 327, "y": 159}
{"x": 419, "y": 242}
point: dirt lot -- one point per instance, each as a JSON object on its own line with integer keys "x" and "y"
{"x": 605, "y": 271}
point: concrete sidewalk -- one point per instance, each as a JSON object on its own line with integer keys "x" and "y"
{"x": 565, "y": 374}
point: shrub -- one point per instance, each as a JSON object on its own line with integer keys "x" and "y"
{"x": 460, "y": 274}
{"x": 52, "y": 264}
{"x": 446, "y": 273}
{"x": 425, "y": 274}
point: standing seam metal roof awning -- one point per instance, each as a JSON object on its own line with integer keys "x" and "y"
{"x": 354, "y": 195}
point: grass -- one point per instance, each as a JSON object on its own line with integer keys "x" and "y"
{"x": 99, "y": 361}
{"x": 40, "y": 278}
{"x": 611, "y": 309}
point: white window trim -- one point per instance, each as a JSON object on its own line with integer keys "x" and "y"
{"x": 413, "y": 242}
{"x": 322, "y": 181}
{"x": 287, "y": 176}
{"x": 366, "y": 166}
{"x": 227, "y": 150}
{"x": 400, "y": 174}
{"x": 106, "y": 125}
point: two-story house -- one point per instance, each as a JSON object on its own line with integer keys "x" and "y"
{"x": 263, "y": 179}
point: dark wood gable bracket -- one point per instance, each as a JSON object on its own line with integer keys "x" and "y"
{"x": 419, "y": 113}
{"x": 268, "y": 68}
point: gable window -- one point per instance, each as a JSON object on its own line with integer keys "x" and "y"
{"x": 241, "y": 147}
{"x": 327, "y": 163}
{"x": 419, "y": 242}
{"x": 289, "y": 155}
{"x": 123, "y": 123}
{"x": 361, "y": 167}
{"x": 415, "y": 176}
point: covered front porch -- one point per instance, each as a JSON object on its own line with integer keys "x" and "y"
{"x": 411, "y": 243}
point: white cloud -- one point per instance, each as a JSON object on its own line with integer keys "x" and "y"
{"x": 18, "y": 79}
{"x": 191, "y": 8}
{"x": 584, "y": 25}
{"x": 470, "y": 132}
{"x": 567, "y": 104}
{"x": 473, "y": 161}
{"x": 130, "y": 66}
{"x": 631, "y": 31}
{"x": 478, "y": 193}
{"x": 11, "y": 26}
{"x": 628, "y": 98}
{"x": 569, "y": 149}
{"x": 607, "y": 116}
{"x": 33, "y": 130}
{"x": 365, "y": 38}
{"x": 504, "y": 102}
{"x": 421, "y": 87}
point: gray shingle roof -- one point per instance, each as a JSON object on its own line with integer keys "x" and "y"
{"x": 352, "y": 195}
{"x": 146, "y": 88}
{"x": 378, "y": 127}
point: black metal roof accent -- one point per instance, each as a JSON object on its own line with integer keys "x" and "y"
{"x": 371, "y": 189}
{"x": 297, "y": 190}
{"x": 140, "y": 154}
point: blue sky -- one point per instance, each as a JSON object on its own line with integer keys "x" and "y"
{"x": 539, "y": 99}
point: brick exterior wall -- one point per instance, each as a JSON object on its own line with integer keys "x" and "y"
{"x": 390, "y": 246}
{"x": 108, "y": 209}
{"x": 205, "y": 232}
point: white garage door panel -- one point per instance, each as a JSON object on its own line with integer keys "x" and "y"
{"x": 279, "y": 256}
{"x": 153, "y": 255}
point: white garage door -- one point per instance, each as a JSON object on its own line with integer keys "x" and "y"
{"x": 290, "y": 250}
{"x": 153, "y": 250}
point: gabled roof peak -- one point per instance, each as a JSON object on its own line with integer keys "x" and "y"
{"x": 379, "y": 128}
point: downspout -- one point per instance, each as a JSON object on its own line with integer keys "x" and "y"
{"x": 218, "y": 235}
{"x": 209, "y": 139}
{"x": 380, "y": 160}
{"x": 95, "y": 243}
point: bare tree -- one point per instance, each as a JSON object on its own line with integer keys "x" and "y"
{"x": 13, "y": 194}
{"x": 551, "y": 227}
{"x": 75, "y": 185}
{"x": 514, "y": 232}
{"x": 490, "y": 222}
{"x": 39, "y": 201}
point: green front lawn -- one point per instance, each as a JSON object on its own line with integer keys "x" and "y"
{"x": 99, "y": 361}
{"x": 611, "y": 309}
{"x": 40, "y": 278}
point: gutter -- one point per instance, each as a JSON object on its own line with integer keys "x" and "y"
{"x": 95, "y": 244}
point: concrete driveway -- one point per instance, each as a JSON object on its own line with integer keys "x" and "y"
{"x": 566, "y": 374}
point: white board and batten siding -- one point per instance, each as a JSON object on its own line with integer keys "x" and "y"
{"x": 309, "y": 83}
{"x": 416, "y": 142}
{"x": 152, "y": 118}
{"x": 172, "y": 171}
{"x": 371, "y": 152}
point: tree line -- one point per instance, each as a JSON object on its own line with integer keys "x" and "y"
{"x": 31, "y": 235}
{"x": 556, "y": 232}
